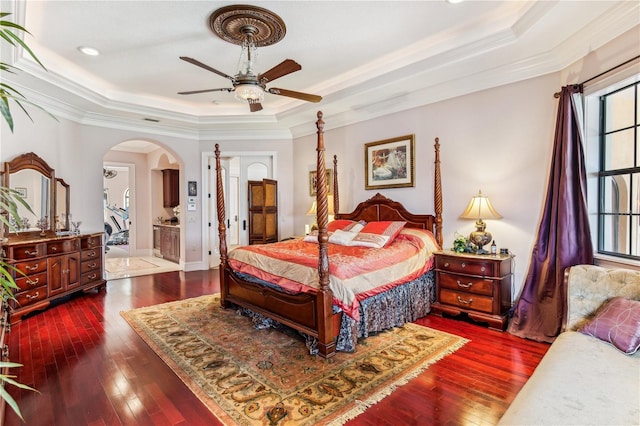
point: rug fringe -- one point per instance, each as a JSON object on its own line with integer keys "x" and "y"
{"x": 362, "y": 406}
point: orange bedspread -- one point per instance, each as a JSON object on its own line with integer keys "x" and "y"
{"x": 354, "y": 272}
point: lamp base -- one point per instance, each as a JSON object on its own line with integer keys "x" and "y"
{"x": 480, "y": 238}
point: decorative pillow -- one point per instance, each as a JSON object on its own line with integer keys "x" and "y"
{"x": 617, "y": 322}
{"x": 379, "y": 234}
{"x": 344, "y": 224}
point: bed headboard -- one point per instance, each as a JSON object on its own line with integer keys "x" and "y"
{"x": 589, "y": 286}
{"x": 379, "y": 208}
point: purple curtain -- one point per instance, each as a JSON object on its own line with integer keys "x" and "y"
{"x": 564, "y": 238}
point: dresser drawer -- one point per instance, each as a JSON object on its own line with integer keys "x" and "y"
{"x": 88, "y": 254}
{"x": 466, "y": 284}
{"x": 32, "y": 281}
{"x": 89, "y": 277}
{"x": 32, "y": 296}
{"x": 31, "y": 267}
{"x": 62, "y": 246}
{"x": 91, "y": 242}
{"x": 27, "y": 251}
{"x": 463, "y": 266}
{"x": 90, "y": 265}
{"x": 467, "y": 301}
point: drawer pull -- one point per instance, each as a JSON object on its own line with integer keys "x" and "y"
{"x": 31, "y": 268}
{"x": 54, "y": 248}
{"x": 33, "y": 283}
{"x": 93, "y": 253}
{"x": 464, "y": 302}
{"x": 463, "y": 285}
{"x": 446, "y": 264}
{"x": 483, "y": 269}
{"x": 93, "y": 265}
{"x": 92, "y": 276}
{"x": 31, "y": 253}
{"x": 35, "y": 295}
{"x": 5, "y": 352}
{"x": 464, "y": 265}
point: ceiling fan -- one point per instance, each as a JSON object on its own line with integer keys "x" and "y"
{"x": 250, "y": 26}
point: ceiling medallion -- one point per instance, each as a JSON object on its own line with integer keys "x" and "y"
{"x": 232, "y": 23}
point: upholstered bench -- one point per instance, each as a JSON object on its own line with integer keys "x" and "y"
{"x": 591, "y": 373}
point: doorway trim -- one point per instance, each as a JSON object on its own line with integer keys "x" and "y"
{"x": 209, "y": 158}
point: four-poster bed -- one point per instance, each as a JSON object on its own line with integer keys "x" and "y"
{"x": 312, "y": 309}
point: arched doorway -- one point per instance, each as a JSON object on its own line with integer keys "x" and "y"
{"x": 133, "y": 194}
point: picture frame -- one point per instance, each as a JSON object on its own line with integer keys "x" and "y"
{"x": 193, "y": 188}
{"x": 390, "y": 163}
{"x": 22, "y": 192}
{"x": 312, "y": 182}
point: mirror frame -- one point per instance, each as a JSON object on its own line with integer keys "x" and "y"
{"x": 32, "y": 161}
{"x": 67, "y": 203}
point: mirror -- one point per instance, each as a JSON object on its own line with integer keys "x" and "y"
{"x": 32, "y": 177}
{"x": 62, "y": 205}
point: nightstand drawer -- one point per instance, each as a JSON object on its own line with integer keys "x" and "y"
{"x": 467, "y": 300}
{"x": 466, "y": 284}
{"x": 462, "y": 266}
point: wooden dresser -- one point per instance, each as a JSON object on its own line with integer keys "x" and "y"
{"x": 52, "y": 267}
{"x": 478, "y": 285}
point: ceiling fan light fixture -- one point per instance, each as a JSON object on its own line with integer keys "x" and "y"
{"x": 251, "y": 93}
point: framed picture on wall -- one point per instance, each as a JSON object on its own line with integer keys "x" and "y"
{"x": 390, "y": 163}
{"x": 193, "y": 188}
{"x": 312, "y": 182}
{"x": 22, "y": 192}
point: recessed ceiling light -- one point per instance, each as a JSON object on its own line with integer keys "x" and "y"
{"x": 89, "y": 50}
{"x": 454, "y": 1}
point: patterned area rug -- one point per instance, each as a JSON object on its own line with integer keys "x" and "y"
{"x": 247, "y": 376}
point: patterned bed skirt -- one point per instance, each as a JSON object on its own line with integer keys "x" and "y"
{"x": 392, "y": 308}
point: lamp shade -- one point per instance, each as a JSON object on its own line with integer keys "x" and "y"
{"x": 480, "y": 208}
{"x": 313, "y": 210}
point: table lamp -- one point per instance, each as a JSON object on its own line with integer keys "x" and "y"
{"x": 480, "y": 208}
{"x": 313, "y": 210}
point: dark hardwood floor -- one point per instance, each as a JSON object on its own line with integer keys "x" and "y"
{"x": 91, "y": 368}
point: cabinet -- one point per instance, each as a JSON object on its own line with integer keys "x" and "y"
{"x": 170, "y": 188}
{"x": 47, "y": 268}
{"x": 170, "y": 243}
{"x": 477, "y": 285}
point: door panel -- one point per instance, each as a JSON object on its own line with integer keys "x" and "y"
{"x": 263, "y": 211}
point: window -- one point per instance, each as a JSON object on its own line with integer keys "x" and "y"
{"x": 618, "y": 229}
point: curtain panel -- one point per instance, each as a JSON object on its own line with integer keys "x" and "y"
{"x": 564, "y": 237}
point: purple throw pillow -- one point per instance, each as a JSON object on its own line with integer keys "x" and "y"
{"x": 617, "y": 322}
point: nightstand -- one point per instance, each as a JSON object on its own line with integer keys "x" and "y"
{"x": 478, "y": 285}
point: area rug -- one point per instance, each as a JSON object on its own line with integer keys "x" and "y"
{"x": 247, "y": 376}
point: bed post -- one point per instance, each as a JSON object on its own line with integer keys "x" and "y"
{"x": 336, "y": 195}
{"x": 326, "y": 337}
{"x": 437, "y": 194}
{"x": 222, "y": 228}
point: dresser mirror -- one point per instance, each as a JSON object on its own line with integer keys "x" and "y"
{"x": 47, "y": 196}
{"x": 62, "y": 198}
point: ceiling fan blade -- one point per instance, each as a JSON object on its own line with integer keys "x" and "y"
{"x": 193, "y": 92}
{"x": 255, "y": 107}
{"x": 206, "y": 67}
{"x": 283, "y": 68}
{"x": 298, "y": 95}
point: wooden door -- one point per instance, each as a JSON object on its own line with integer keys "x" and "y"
{"x": 263, "y": 211}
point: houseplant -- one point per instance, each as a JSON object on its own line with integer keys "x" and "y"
{"x": 10, "y": 199}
